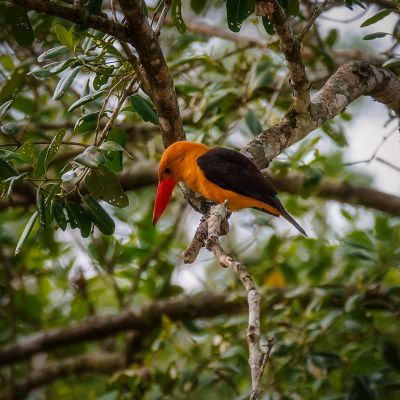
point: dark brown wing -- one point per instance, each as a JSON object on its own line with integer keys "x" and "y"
{"x": 233, "y": 171}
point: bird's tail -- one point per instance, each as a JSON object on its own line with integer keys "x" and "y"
{"x": 289, "y": 218}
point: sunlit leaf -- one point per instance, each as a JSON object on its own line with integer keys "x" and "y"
{"x": 64, "y": 36}
{"x": 65, "y": 82}
{"x": 27, "y": 230}
{"x": 85, "y": 99}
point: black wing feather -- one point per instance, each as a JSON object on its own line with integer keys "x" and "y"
{"x": 233, "y": 171}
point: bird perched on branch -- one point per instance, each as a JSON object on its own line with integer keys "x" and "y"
{"x": 218, "y": 174}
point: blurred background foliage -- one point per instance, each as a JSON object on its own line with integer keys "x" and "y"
{"x": 331, "y": 301}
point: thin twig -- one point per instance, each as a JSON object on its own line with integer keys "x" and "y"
{"x": 127, "y": 92}
{"x": 389, "y": 164}
{"x": 315, "y": 14}
{"x": 163, "y": 16}
{"x": 375, "y": 153}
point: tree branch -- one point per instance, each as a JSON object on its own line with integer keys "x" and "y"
{"x": 97, "y": 362}
{"x": 97, "y": 327}
{"x": 207, "y": 234}
{"x": 144, "y": 174}
{"x": 315, "y": 14}
{"x": 77, "y": 16}
{"x": 350, "y": 81}
{"x": 206, "y": 305}
{"x": 290, "y": 47}
{"x": 156, "y": 70}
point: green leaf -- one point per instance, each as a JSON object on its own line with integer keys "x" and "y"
{"x": 176, "y": 15}
{"x": 104, "y": 185}
{"x": 53, "y": 53}
{"x": 375, "y": 35}
{"x": 26, "y": 232}
{"x": 72, "y": 217}
{"x": 362, "y": 389}
{"x": 14, "y": 83}
{"x": 144, "y": 108}
{"x": 269, "y": 28}
{"x": 377, "y": 17}
{"x": 253, "y": 122}
{"x": 52, "y": 69}
{"x": 114, "y": 158}
{"x": 237, "y": 11}
{"x": 86, "y": 123}
{"x": 64, "y": 36}
{"x": 54, "y": 146}
{"x": 10, "y": 128}
{"x": 65, "y": 82}
{"x": 354, "y": 302}
{"x": 98, "y": 215}
{"x": 27, "y": 152}
{"x": 79, "y": 218}
{"x": 7, "y": 170}
{"x": 91, "y": 158}
{"x": 94, "y": 6}
{"x": 293, "y": 7}
{"x": 20, "y": 26}
{"x": 198, "y": 5}
{"x": 100, "y": 80}
{"x": 57, "y": 210}
{"x": 84, "y": 100}
{"x": 112, "y": 146}
{"x": 41, "y": 207}
{"x": 68, "y": 176}
{"x": 331, "y": 39}
{"x": 40, "y": 168}
{"x": 4, "y": 107}
{"x": 391, "y": 62}
{"x": 12, "y": 180}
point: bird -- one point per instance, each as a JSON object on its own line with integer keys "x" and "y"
{"x": 219, "y": 174}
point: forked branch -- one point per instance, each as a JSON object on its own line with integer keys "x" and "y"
{"x": 207, "y": 234}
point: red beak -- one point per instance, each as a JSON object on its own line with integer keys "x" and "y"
{"x": 163, "y": 196}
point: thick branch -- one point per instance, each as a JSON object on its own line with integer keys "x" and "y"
{"x": 94, "y": 328}
{"x": 350, "y": 81}
{"x": 96, "y": 362}
{"x": 78, "y": 16}
{"x": 207, "y": 305}
{"x": 156, "y": 70}
{"x": 144, "y": 174}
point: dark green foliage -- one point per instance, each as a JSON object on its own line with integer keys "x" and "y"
{"x": 85, "y": 249}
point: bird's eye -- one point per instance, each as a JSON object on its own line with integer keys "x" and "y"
{"x": 167, "y": 171}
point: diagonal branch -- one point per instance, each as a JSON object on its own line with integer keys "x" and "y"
{"x": 97, "y": 362}
{"x": 97, "y": 327}
{"x": 145, "y": 174}
{"x": 291, "y": 49}
{"x": 159, "y": 79}
{"x": 351, "y": 80}
{"x": 315, "y": 14}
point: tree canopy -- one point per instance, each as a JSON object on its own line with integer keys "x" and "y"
{"x": 95, "y": 301}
